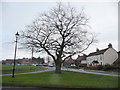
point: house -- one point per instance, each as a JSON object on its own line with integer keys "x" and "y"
{"x": 102, "y": 57}
{"x": 8, "y": 61}
{"x": 17, "y": 61}
{"x": 80, "y": 60}
{"x": 23, "y": 61}
{"x": 117, "y": 62}
{"x": 69, "y": 62}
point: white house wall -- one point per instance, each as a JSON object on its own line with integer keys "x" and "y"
{"x": 83, "y": 62}
{"x": 98, "y": 58}
{"x": 110, "y": 56}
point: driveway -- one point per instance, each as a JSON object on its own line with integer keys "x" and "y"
{"x": 74, "y": 70}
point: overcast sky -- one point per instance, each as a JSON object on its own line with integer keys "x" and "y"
{"x": 16, "y": 15}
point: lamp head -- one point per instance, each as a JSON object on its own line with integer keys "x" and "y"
{"x": 17, "y": 34}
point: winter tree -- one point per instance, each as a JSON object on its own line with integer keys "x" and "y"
{"x": 61, "y": 33}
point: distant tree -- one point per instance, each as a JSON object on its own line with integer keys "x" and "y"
{"x": 33, "y": 58}
{"x": 61, "y": 33}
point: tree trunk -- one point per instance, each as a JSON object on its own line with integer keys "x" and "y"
{"x": 58, "y": 67}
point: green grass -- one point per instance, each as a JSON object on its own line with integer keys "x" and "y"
{"x": 67, "y": 79}
{"x": 7, "y": 69}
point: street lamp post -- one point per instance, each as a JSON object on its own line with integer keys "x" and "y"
{"x": 16, "y": 35}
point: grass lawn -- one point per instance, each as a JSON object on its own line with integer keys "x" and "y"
{"x": 67, "y": 79}
{"x": 6, "y": 67}
{"x": 20, "y": 68}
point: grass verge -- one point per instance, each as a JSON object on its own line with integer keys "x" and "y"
{"x": 7, "y": 69}
{"x": 66, "y": 79}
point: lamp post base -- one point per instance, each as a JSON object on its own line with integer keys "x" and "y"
{"x": 13, "y": 73}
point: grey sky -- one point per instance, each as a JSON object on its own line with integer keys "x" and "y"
{"x": 16, "y": 15}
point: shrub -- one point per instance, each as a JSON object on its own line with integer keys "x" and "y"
{"x": 111, "y": 68}
{"x": 105, "y": 68}
{"x": 75, "y": 67}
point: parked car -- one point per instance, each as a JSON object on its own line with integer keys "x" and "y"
{"x": 51, "y": 65}
{"x": 45, "y": 64}
{"x": 39, "y": 65}
{"x": 34, "y": 64}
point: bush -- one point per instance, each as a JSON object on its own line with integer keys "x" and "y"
{"x": 75, "y": 67}
{"x": 111, "y": 68}
{"x": 105, "y": 68}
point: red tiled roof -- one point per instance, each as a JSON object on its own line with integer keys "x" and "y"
{"x": 98, "y": 52}
{"x": 70, "y": 60}
{"x": 79, "y": 58}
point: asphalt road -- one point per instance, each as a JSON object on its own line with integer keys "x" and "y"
{"x": 74, "y": 70}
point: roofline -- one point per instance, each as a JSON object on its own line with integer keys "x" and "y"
{"x": 98, "y": 53}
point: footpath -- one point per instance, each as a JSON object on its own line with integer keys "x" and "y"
{"x": 115, "y": 74}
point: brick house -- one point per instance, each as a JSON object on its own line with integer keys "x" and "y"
{"x": 69, "y": 62}
{"x": 24, "y": 61}
{"x": 81, "y": 60}
{"x": 8, "y": 61}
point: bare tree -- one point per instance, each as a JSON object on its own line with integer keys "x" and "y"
{"x": 61, "y": 32}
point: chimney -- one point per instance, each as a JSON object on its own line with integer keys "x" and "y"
{"x": 97, "y": 50}
{"x": 110, "y": 45}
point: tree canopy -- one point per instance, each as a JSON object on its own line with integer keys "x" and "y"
{"x": 61, "y": 32}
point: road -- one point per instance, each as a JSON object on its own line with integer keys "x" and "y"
{"x": 74, "y": 70}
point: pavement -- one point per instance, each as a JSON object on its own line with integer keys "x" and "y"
{"x": 28, "y": 72}
{"x": 74, "y": 70}
{"x": 115, "y": 74}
